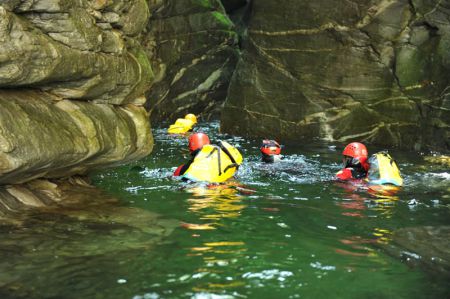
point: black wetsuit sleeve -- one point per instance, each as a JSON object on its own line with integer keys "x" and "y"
{"x": 358, "y": 173}
{"x": 185, "y": 167}
{"x": 188, "y": 164}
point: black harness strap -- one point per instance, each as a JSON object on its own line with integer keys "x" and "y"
{"x": 216, "y": 148}
{"x": 234, "y": 163}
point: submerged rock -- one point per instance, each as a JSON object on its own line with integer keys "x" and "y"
{"x": 439, "y": 159}
{"x": 375, "y": 71}
{"x": 427, "y": 247}
{"x": 70, "y": 232}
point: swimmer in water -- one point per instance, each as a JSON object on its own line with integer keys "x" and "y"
{"x": 196, "y": 143}
{"x": 270, "y": 151}
{"x": 354, "y": 162}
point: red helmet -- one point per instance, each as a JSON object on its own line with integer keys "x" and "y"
{"x": 270, "y": 147}
{"x": 197, "y": 141}
{"x": 357, "y": 152}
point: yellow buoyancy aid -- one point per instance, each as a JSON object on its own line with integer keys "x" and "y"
{"x": 181, "y": 126}
{"x": 383, "y": 170}
{"x": 214, "y": 164}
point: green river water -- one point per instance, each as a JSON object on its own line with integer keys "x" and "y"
{"x": 285, "y": 230}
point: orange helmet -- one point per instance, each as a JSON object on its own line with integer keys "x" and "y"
{"x": 191, "y": 117}
{"x": 197, "y": 141}
{"x": 355, "y": 153}
{"x": 270, "y": 147}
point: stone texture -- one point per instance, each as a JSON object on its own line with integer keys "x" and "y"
{"x": 426, "y": 247}
{"x": 63, "y": 47}
{"x": 373, "y": 70}
{"x": 41, "y": 137}
{"x": 193, "y": 49}
{"x": 75, "y": 198}
{"x": 73, "y": 75}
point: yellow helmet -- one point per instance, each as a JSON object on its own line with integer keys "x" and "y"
{"x": 191, "y": 117}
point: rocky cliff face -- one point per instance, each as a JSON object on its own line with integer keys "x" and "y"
{"x": 75, "y": 75}
{"x": 372, "y": 70}
{"x": 192, "y": 46}
{"x": 72, "y": 80}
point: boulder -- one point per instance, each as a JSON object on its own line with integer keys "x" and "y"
{"x": 426, "y": 247}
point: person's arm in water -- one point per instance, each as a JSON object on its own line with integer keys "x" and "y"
{"x": 344, "y": 174}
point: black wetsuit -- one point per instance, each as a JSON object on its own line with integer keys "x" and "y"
{"x": 358, "y": 172}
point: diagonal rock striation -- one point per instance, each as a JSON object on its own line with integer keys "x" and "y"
{"x": 375, "y": 71}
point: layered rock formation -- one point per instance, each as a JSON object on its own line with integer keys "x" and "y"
{"x": 193, "y": 49}
{"x": 373, "y": 70}
{"x": 72, "y": 81}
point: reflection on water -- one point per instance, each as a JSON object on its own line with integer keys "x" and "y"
{"x": 69, "y": 244}
{"x": 214, "y": 202}
{"x": 211, "y": 204}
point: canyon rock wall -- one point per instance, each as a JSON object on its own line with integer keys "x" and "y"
{"x": 73, "y": 75}
{"x": 372, "y": 70}
{"x": 193, "y": 49}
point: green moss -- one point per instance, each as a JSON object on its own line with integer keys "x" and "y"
{"x": 222, "y": 19}
{"x": 147, "y": 75}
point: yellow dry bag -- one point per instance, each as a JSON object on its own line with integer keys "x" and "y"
{"x": 383, "y": 170}
{"x": 183, "y": 125}
{"x": 214, "y": 164}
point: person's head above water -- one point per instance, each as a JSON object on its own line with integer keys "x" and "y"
{"x": 191, "y": 117}
{"x": 197, "y": 141}
{"x": 355, "y": 155}
{"x": 270, "y": 150}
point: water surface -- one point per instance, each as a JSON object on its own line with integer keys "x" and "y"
{"x": 277, "y": 231}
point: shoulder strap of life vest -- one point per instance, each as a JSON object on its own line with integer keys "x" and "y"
{"x": 227, "y": 152}
{"x": 219, "y": 162}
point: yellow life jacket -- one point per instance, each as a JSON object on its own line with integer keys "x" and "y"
{"x": 214, "y": 164}
{"x": 181, "y": 126}
{"x": 383, "y": 170}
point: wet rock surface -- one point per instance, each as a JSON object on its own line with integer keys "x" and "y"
{"x": 72, "y": 80}
{"x": 375, "y": 71}
{"x": 85, "y": 50}
{"x": 192, "y": 46}
{"x": 41, "y": 137}
{"x": 426, "y": 247}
